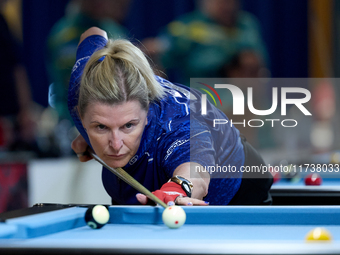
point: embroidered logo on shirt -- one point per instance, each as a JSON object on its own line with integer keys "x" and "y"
{"x": 77, "y": 64}
{"x": 173, "y": 146}
{"x": 133, "y": 160}
{"x": 172, "y": 193}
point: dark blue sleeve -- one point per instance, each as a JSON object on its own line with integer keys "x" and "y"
{"x": 187, "y": 144}
{"x": 202, "y": 143}
{"x": 174, "y": 150}
{"x": 86, "y": 48}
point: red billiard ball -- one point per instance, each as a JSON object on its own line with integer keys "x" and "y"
{"x": 276, "y": 175}
{"x": 313, "y": 179}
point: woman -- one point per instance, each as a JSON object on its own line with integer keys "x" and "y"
{"x": 154, "y": 130}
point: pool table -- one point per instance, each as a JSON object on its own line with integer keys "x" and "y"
{"x": 139, "y": 230}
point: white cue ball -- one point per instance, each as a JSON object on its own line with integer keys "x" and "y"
{"x": 174, "y": 216}
{"x": 100, "y": 214}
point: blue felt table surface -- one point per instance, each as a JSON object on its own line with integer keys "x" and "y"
{"x": 146, "y": 217}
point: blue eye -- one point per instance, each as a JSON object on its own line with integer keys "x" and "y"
{"x": 128, "y": 125}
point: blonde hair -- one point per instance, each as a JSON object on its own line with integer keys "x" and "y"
{"x": 117, "y": 73}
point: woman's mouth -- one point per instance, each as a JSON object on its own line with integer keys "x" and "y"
{"x": 116, "y": 156}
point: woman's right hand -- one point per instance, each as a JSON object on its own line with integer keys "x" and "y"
{"x": 79, "y": 146}
{"x": 92, "y": 31}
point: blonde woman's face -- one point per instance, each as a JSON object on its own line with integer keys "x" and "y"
{"x": 115, "y": 131}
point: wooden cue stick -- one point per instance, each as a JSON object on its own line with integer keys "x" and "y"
{"x": 122, "y": 174}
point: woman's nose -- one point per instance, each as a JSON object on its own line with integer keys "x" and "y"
{"x": 116, "y": 142}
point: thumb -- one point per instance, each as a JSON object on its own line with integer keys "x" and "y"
{"x": 170, "y": 199}
{"x": 142, "y": 198}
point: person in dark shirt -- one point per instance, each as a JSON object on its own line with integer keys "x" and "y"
{"x": 15, "y": 97}
{"x": 154, "y": 130}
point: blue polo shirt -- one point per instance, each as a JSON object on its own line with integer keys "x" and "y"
{"x": 176, "y": 133}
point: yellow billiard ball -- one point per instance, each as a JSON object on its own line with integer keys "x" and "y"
{"x": 335, "y": 158}
{"x": 318, "y": 234}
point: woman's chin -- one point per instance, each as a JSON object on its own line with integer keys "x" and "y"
{"x": 117, "y": 163}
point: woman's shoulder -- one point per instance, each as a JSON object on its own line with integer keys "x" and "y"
{"x": 174, "y": 89}
{"x": 175, "y": 105}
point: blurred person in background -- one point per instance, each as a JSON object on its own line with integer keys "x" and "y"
{"x": 62, "y": 44}
{"x": 201, "y": 43}
{"x": 247, "y": 64}
{"x": 244, "y": 64}
{"x": 17, "y": 125}
{"x": 64, "y": 37}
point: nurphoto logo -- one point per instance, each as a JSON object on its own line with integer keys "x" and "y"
{"x": 238, "y": 105}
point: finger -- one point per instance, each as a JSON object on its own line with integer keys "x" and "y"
{"x": 79, "y": 144}
{"x": 142, "y": 198}
{"x": 170, "y": 203}
{"x": 84, "y": 157}
{"x": 190, "y": 201}
{"x": 169, "y": 200}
